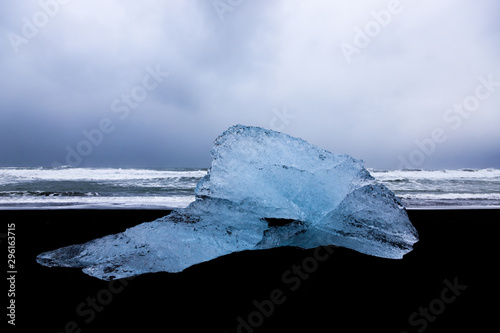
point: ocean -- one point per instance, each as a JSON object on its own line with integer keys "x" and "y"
{"x": 168, "y": 188}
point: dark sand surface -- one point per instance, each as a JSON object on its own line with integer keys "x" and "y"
{"x": 348, "y": 292}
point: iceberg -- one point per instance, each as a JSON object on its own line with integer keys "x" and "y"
{"x": 264, "y": 189}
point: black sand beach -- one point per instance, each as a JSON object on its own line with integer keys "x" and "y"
{"x": 447, "y": 283}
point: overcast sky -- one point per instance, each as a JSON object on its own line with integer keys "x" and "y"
{"x": 153, "y": 83}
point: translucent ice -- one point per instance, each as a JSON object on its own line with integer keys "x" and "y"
{"x": 257, "y": 176}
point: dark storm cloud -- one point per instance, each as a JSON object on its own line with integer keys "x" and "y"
{"x": 280, "y": 64}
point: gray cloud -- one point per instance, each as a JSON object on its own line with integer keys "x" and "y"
{"x": 263, "y": 56}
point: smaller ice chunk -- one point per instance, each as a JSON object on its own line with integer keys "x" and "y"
{"x": 265, "y": 189}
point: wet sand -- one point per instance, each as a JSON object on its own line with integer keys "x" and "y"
{"x": 446, "y": 283}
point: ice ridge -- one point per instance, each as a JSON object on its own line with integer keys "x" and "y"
{"x": 257, "y": 176}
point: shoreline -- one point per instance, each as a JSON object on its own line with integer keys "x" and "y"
{"x": 365, "y": 293}
{"x": 168, "y": 209}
